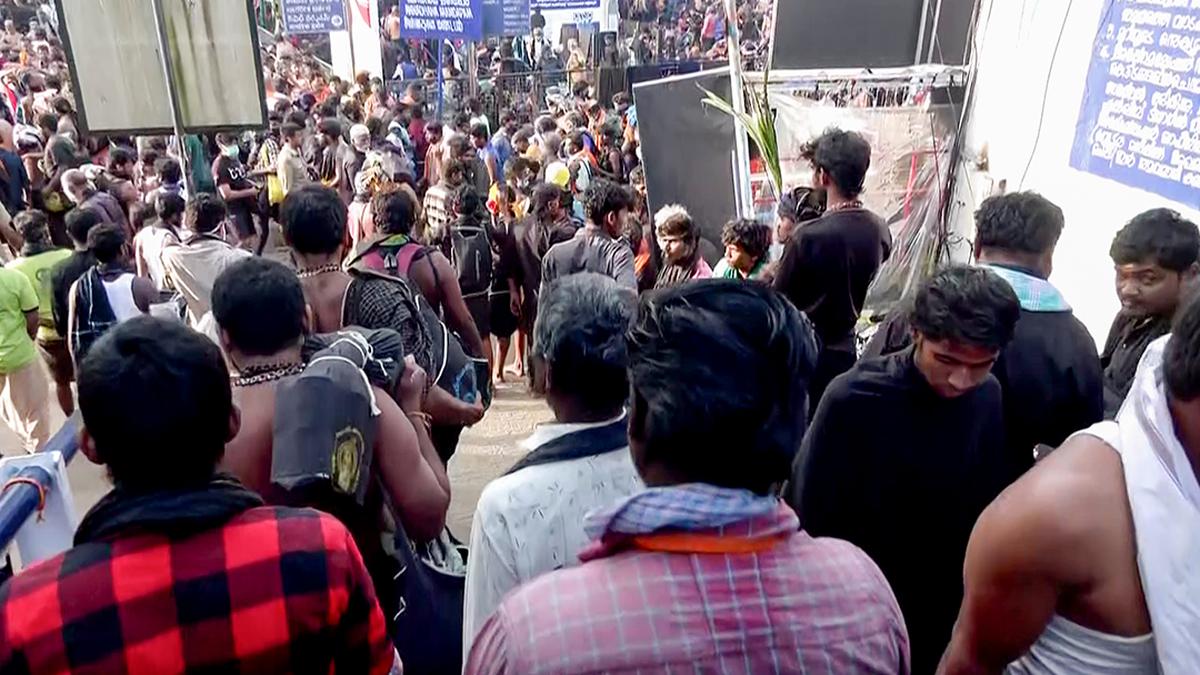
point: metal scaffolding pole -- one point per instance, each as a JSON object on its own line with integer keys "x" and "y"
{"x": 741, "y": 144}
{"x": 160, "y": 22}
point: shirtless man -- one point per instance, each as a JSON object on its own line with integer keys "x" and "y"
{"x": 121, "y": 162}
{"x": 11, "y": 38}
{"x": 314, "y": 225}
{"x": 1087, "y": 563}
{"x": 259, "y": 306}
{"x": 395, "y": 211}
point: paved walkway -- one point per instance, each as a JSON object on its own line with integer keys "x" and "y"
{"x": 489, "y": 449}
{"x": 486, "y": 451}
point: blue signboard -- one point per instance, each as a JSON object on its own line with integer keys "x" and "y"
{"x": 505, "y": 18}
{"x": 448, "y": 19}
{"x": 1140, "y": 120}
{"x": 549, "y": 5}
{"x": 313, "y": 16}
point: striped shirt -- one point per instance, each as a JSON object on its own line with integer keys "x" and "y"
{"x": 437, "y": 211}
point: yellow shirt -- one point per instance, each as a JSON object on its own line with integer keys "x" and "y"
{"x": 16, "y": 297}
{"x": 38, "y": 269}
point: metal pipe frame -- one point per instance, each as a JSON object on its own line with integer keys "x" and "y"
{"x": 20, "y": 500}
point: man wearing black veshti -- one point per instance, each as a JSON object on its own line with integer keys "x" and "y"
{"x": 905, "y": 451}
{"x": 1050, "y": 372}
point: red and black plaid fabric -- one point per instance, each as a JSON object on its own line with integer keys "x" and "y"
{"x": 273, "y": 590}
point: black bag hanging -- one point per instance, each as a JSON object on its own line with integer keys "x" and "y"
{"x": 323, "y": 458}
{"x": 324, "y": 436}
{"x": 471, "y": 256}
{"x": 430, "y": 587}
{"x": 386, "y": 353}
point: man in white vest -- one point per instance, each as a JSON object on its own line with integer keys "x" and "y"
{"x": 1088, "y": 563}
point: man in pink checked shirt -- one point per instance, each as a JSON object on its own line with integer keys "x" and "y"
{"x": 705, "y": 570}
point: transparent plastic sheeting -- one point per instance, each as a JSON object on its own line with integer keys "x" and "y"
{"x": 909, "y": 179}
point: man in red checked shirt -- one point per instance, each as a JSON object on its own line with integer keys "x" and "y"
{"x": 180, "y": 569}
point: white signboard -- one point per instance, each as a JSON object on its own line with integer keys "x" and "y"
{"x": 118, "y": 76}
{"x": 358, "y": 49}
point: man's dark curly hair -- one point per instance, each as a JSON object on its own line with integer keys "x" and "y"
{"x": 604, "y": 197}
{"x": 749, "y": 235}
{"x": 844, "y": 155}
{"x": 967, "y": 305}
{"x": 1023, "y": 222}
{"x": 205, "y": 213}
{"x": 394, "y": 210}
{"x": 1159, "y": 236}
{"x": 464, "y": 201}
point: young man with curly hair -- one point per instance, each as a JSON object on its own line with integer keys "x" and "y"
{"x": 747, "y": 243}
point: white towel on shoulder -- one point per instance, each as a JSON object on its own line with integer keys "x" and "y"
{"x": 1164, "y": 497}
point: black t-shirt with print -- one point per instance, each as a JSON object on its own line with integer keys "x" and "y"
{"x": 232, "y": 172}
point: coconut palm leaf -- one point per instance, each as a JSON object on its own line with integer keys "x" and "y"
{"x": 759, "y": 124}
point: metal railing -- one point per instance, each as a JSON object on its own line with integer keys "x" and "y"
{"x": 318, "y": 46}
{"x": 494, "y": 92}
{"x": 34, "y": 483}
{"x": 538, "y": 91}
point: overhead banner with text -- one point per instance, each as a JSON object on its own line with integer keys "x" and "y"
{"x": 448, "y": 19}
{"x": 505, "y": 18}
{"x": 313, "y": 16}
{"x": 551, "y": 5}
{"x": 599, "y": 15}
{"x": 117, "y": 74}
{"x": 1139, "y": 123}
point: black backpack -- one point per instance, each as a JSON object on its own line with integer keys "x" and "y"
{"x": 471, "y": 255}
{"x": 322, "y": 455}
{"x": 323, "y": 435}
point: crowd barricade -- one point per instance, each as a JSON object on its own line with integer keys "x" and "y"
{"x": 496, "y": 93}
{"x": 539, "y": 91}
{"x": 37, "y": 512}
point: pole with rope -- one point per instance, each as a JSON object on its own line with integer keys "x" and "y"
{"x": 350, "y": 35}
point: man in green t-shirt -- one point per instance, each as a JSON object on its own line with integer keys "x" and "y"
{"x": 23, "y": 388}
{"x": 199, "y": 164}
{"x": 38, "y": 258}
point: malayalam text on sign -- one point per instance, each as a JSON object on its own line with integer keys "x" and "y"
{"x": 449, "y": 19}
{"x": 313, "y": 16}
{"x": 1139, "y": 123}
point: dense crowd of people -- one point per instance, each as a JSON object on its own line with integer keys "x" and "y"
{"x": 550, "y": 65}
{"x": 275, "y": 341}
{"x": 648, "y": 32}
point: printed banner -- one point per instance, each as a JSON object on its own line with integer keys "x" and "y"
{"x": 549, "y": 5}
{"x": 313, "y": 16}
{"x": 505, "y": 18}
{"x": 1139, "y": 122}
{"x": 447, "y": 19}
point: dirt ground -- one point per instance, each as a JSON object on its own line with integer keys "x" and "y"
{"x": 486, "y": 451}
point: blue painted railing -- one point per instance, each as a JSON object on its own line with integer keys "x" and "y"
{"x": 20, "y": 500}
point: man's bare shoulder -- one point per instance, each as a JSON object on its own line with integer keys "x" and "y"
{"x": 1085, "y": 468}
{"x": 1065, "y": 504}
{"x": 246, "y": 451}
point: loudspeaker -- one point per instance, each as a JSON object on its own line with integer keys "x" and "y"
{"x": 869, "y": 33}
{"x": 687, "y": 148}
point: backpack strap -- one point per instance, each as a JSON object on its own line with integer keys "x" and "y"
{"x": 437, "y": 278}
{"x": 375, "y": 254}
{"x": 407, "y": 254}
